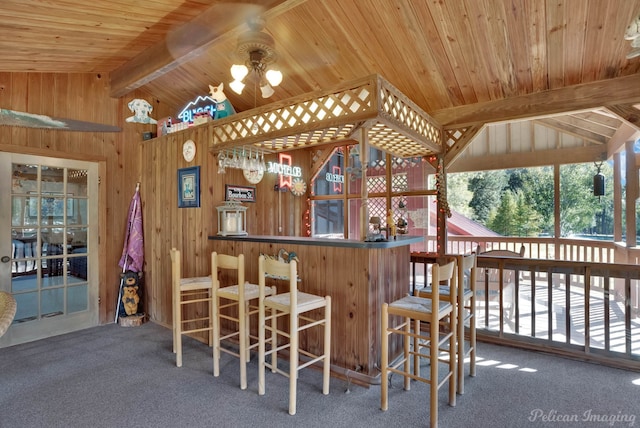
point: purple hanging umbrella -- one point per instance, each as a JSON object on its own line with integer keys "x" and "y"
{"x": 133, "y": 250}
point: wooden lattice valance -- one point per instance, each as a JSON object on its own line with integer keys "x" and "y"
{"x": 394, "y": 123}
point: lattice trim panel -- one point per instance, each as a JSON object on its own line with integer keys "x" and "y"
{"x": 305, "y": 123}
{"x": 452, "y": 136}
{"x": 396, "y": 125}
{"x": 424, "y": 134}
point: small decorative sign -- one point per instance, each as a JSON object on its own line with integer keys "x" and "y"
{"x": 239, "y": 193}
{"x": 141, "y": 110}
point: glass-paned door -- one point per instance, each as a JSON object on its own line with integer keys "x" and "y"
{"x": 49, "y": 245}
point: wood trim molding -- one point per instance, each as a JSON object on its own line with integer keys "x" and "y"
{"x": 529, "y": 159}
{"x": 611, "y": 92}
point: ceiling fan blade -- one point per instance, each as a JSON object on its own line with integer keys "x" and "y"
{"x": 29, "y": 120}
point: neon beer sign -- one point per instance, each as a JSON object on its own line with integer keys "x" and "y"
{"x": 199, "y": 105}
{"x": 284, "y": 168}
{"x": 336, "y": 178}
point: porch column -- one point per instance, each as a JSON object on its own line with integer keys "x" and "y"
{"x": 632, "y": 192}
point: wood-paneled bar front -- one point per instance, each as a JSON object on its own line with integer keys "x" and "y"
{"x": 359, "y": 277}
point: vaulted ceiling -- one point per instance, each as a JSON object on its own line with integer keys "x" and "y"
{"x": 471, "y": 64}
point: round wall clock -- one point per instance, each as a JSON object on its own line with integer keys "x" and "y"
{"x": 253, "y": 176}
{"x": 298, "y": 187}
{"x": 189, "y": 150}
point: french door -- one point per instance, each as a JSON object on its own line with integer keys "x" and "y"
{"x": 48, "y": 244}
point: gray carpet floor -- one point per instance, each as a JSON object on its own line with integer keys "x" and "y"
{"x": 110, "y": 376}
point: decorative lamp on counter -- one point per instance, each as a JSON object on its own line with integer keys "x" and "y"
{"x": 232, "y": 219}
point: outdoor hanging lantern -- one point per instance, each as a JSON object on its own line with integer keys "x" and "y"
{"x": 598, "y": 182}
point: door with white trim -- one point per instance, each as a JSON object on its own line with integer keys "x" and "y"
{"x": 48, "y": 249}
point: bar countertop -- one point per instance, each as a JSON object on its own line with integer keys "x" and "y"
{"x": 324, "y": 242}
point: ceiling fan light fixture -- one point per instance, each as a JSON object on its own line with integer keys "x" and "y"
{"x": 239, "y": 72}
{"x": 274, "y": 77}
{"x": 237, "y": 86}
{"x": 266, "y": 90}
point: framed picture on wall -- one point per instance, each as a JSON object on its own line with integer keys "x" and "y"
{"x": 189, "y": 187}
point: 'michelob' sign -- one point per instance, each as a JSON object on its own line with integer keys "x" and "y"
{"x": 284, "y": 168}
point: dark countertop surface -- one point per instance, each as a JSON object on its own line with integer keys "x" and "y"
{"x": 325, "y": 242}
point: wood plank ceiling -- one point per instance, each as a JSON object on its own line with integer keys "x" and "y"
{"x": 560, "y": 64}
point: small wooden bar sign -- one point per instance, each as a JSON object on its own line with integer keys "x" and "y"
{"x": 239, "y": 193}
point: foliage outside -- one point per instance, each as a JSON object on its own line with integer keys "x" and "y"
{"x": 520, "y": 202}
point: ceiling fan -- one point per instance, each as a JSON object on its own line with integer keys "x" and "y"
{"x": 255, "y": 53}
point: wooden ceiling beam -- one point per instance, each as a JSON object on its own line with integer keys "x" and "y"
{"x": 621, "y": 90}
{"x": 190, "y": 40}
{"x": 568, "y": 128}
{"x": 627, "y": 112}
{"x": 529, "y": 159}
{"x": 625, "y": 133}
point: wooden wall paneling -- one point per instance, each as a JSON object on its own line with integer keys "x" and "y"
{"x": 154, "y": 212}
{"x": 82, "y": 97}
{"x": 77, "y": 96}
{"x": 18, "y": 95}
{"x": 34, "y": 104}
{"x": 47, "y": 106}
{"x": 61, "y": 89}
{"x": 5, "y": 94}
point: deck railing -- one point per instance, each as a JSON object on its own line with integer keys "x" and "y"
{"x": 572, "y": 297}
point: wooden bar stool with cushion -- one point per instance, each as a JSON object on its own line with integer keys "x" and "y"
{"x": 187, "y": 291}
{"x": 437, "y": 338}
{"x": 466, "y": 299}
{"x": 294, "y": 303}
{"x": 236, "y": 309}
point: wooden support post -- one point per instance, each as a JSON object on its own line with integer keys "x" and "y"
{"x": 364, "y": 192}
{"x": 632, "y": 194}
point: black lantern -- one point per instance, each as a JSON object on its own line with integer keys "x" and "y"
{"x": 598, "y": 182}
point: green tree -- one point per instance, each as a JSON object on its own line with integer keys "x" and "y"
{"x": 578, "y": 206}
{"x": 527, "y": 218}
{"x": 487, "y": 187}
{"x": 458, "y": 194}
{"x": 537, "y": 191}
{"x": 502, "y": 220}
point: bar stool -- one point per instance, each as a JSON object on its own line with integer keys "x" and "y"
{"x": 187, "y": 291}
{"x": 465, "y": 303}
{"x": 294, "y": 303}
{"x": 236, "y": 309}
{"x": 436, "y": 338}
{"x": 466, "y": 315}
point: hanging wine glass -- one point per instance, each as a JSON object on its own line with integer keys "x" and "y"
{"x": 236, "y": 161}
{"x": 222, "y": 158}
{"x": 244, "y": 161}
{"x": 263, "y": 165}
